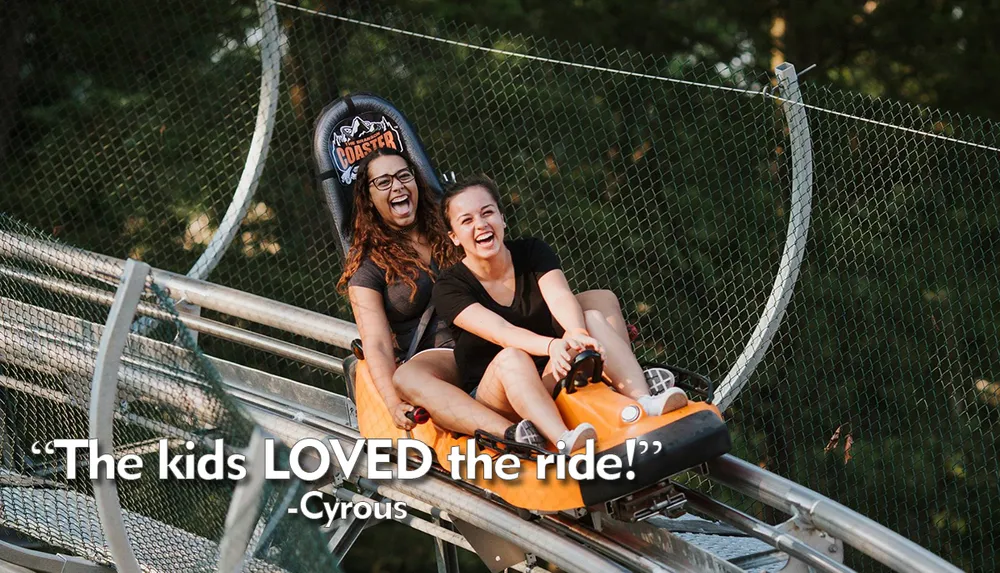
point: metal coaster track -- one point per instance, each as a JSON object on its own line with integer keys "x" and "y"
{"x": 292, "y": 411}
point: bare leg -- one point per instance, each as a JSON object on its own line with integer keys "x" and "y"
{"x": 624, "y": 369}
{"x": 619, "y": 362}
{"x": 605, "y": 302}
{"x": 512, "y": 387}
{"x": 430, "y": 380}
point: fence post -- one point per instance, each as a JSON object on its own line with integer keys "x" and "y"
{"x": 270, "y": 76}
{"x": 104, "y": 390}
{"x": 800, "y": 147}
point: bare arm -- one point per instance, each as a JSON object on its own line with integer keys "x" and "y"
{"x": 488, "y": 325}
{"x": 562, "y": 302}
{"x": 376, "y": 338}
{"x": 566, "y": 309}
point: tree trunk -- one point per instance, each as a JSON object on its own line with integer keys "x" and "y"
{"x": 13, "y": 25}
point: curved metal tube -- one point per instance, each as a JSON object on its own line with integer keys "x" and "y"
{"x": 270, "y": 63}
{"x": 102, "y": 410}
{"x": 227, "y": 300}
{"x": 41, "y": 562}
{"x": 244, "y": 509}
{"x": 800, "y": 143}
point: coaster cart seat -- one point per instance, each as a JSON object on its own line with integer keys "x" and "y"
{"x": 675, "y": 442}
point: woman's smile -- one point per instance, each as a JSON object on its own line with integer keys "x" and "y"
{"x": 401, "y": 205}
{"x": 486, "y": 239}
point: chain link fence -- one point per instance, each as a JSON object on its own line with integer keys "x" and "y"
{"x": 664, "y": 179}
{"x": 170, "y": 405}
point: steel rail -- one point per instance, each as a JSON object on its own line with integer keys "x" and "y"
{"x": 760, "y": 530}
{"x": 409, "y": 501}
{"x": 635, "y": 560}
{"x": 194, "y": 322}
{"x": 138, "y": 377}
{"x": 41, "y": 562}
{"x": 63, "y": 398}
{"x": 876, "y": 541}
{"x": 222, "y": 299}
{"x": 415, "y": 522}
{"x": 421, "y": 525}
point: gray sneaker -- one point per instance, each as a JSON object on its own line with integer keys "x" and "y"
{"x": 659, "y": 380}
{"x": 526, "y": 433}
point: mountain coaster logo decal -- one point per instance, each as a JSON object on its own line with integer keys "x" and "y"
{"x": 356, "y": 137}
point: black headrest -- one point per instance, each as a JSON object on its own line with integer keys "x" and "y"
{"x": 349, "y": 129}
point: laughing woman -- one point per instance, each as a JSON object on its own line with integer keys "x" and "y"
{"x": 398, "y": 246}
{"x": 519, "y": 325}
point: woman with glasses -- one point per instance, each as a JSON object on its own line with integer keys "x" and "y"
{"x": 399, "y": 247}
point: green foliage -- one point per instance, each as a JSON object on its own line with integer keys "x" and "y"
{"x": 930, "y": 53}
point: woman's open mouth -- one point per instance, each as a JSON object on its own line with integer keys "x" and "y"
{"x": 401, "y": 206}
{"x": 485, "y": 239}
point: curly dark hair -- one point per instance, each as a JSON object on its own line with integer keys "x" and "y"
{"x": 389, "y": 248}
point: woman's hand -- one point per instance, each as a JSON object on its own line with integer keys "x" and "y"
{"x": 399, "y": 416}
{"x": 563, "y": 350}
{"x": 580, "y": 341}
{"x": 560, "y": 354}
{"x": 376, "y": 337}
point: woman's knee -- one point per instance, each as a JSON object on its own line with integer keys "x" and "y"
{"x": 513, "y": 360}
{"x": 593, "y": 317}
{"x": 599, "y": 299}
{"x": 405, "y": 379}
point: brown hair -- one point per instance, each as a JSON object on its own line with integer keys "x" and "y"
{"x": 389, "y": 248}
{"x": 457, "y": 189}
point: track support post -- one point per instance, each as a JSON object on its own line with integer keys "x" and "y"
{"x": 445, "y": 553}
{"x": 800, "y": 145}
{"x": 104, "y": 390}
{"x": 826, "y": 544}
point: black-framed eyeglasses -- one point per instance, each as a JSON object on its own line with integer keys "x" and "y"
{"x": 384, "y": 182}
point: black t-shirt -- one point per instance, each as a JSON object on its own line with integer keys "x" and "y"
{"x": 402, "y": 313}
{"x": 458, "y": 288}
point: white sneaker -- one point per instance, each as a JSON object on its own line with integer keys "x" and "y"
{"x": 659, "y": 380}
{"x": 671, "y": 399}
{"x": 575, "y": 439}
